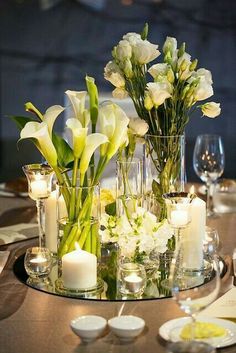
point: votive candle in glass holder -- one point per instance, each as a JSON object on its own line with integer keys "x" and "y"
{"x": 131, "y": 279}
{"x": 38, "y": 262}
{"x": 39, "y": 177}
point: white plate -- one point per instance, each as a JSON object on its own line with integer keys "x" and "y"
{"x": 170, "y": 331}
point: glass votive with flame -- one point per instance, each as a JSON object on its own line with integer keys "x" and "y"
{"x": 131, "y": 278}
{"x": 38, "y": 262}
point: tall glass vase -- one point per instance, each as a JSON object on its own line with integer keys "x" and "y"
{"x": 163, "y": 170}
{"x": 78, "y": 213}
{"x": 129, "y": 186}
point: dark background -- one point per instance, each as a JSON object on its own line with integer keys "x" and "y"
{"x": 48, "y": 46}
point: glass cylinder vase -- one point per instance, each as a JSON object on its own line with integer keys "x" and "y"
{"x": 163, "y": 170}
{"x": 129, "y": 186}
{"x": 78, "y": 214}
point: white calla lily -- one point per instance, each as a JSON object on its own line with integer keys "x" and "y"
{"x": 50, "y": 116}
{"x": 79, "y": 135}
{"x": 40, "y": 132}
{"x": 93, "y": 141}
{"x": 77, "y": 100}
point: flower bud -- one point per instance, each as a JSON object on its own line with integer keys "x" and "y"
{"x": 144, "y": 33}
{"x": 168, "y": 58}
{"x": 128, "y": 69}
{"x": 170, "y": 76}
{"x": 183, "y": 65}
{"x": 148, "y": 102}
{"x": 113, "y": 52}
{"x": 193, "y": 65}
{"x": 181, "y": 50}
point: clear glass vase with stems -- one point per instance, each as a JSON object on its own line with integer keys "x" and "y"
{"x": 193, "y": 288}
{"x": 39, "y": 177}
{"x": 209, "y": 163}
{"x": 80, "y": 226}
{"x": 129, "y": 186}
{"x": 163, "y": 170}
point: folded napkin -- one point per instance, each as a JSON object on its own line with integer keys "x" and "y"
{"x": 3, "y": 259}
{"x": 224, "y": 307}
{"x": 17, "y": 232}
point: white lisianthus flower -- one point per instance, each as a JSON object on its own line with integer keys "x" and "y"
{"x": 40, "y": 132}
{"x": 145, "y": 52}
{"x": 93, "y": 141}
{"x": 211, "y": 109}
{"x": 159, "y": 92}
{"x": 77, "y": 100}
{"x": 158, "y": 70}
{"x": 206, "y": 74}
{"x": 113, "y": 74}
{"x": 123, "y": 50}
{"x": 170, "y": 45}
{"x": 119, "y": 93}
{"x": 138, "y": 126}
{"x": 79, "y": 135}
{"x": 203, "y": 90}
{"x": 132, "y": 37}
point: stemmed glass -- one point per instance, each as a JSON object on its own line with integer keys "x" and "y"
{"x": 208, "y": 163}
{"x": 39, "y": 177}
{"x": 193, "y": 288}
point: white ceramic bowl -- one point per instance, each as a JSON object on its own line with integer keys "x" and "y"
{"x": 88, "y": 327}
{"x": 126, "y": 327}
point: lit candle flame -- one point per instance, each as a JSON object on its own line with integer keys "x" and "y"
{"x": 191, "y": 190}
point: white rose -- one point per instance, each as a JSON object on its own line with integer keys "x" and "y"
{"x": 158, "y": 69}
{"x": 211, "y": 109}
{"x": 138, "y": 126}
{"x": 144, "y": 51}
{"x": 119, "y": 93}
{"x": 123, "y": 50}
{"x": 113, "y": 74}
{"x": 159, "y": 92}
{"x": 203, "y": 90}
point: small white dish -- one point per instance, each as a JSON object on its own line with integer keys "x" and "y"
{"x": 88, "y": 327}
{"x": 126, "y": 327}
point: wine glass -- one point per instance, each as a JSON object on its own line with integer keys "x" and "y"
{"x": 192, "y": 287}
{"x": 208, "y": 163}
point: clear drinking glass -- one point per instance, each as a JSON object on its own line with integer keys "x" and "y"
{"x": 208, "y": 163}
{"x": 193, "y": 288}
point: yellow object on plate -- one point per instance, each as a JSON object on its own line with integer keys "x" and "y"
{"x": 202, "y": 330}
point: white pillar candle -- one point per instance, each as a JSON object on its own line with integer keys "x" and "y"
{"x": 195, "y": 234}
{"x": 179, "y": 218}
{"x": 39, "y": 189}
{"x": 79, "y": 270}
{"x": 133, "y": 283}
{"x": 51, "y": 230}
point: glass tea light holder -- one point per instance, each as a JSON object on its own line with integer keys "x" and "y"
{"x": 178, "y": 205}
{"x": 38, "y": 262}
{"x": 131, "y": 279}
{"x": 39, "y": 177}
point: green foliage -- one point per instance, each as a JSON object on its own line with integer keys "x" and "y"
{"x": 64, "y": 152}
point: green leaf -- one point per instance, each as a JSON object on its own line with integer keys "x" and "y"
{"x": 21, "y": 121}
{"x": 111, "y": 209}
{"x": 64, "y": 152}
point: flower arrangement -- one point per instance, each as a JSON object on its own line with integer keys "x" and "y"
{"x": 164, "y": 95}
{"x": 95, "y": 128}
{"x": 138, "y": 235}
